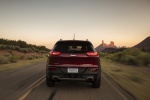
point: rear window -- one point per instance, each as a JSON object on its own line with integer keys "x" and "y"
{"x": 73, "y": 47}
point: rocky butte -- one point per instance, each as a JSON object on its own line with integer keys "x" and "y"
{"x": 106, "y": 47}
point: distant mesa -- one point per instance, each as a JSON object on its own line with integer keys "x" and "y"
{"x": 145, "y": 44}
{"x": 106, "y": 47}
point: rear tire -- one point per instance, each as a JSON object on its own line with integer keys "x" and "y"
{"x": 97, "y": 82}
{"x": 50, "y": 82}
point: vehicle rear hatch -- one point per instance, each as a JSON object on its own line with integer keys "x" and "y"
{"x": 71, "y": 55}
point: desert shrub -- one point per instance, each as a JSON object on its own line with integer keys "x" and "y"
{"x": 132, "y": 51}
{"x": 117, "y": 56}
{"x": 122, "y": 48}
{"x": 30, "y": 50}
{"x": 42, "y": 51}
{"x": 36, "y": 50}
{"x": 30, "y": 57}
{"x": 12, "y": 47}
{"x": 37, "y": 56}
{"x": 143, "y": 59}
{"x": 34, "y": 56}
{"x": 0, "y": 46}
{"x": 33, "y": 49}
{"x": 129, "y": 59}
{"x": 24, "y": 50}
{"x": 13, "y": 59}
{"x": 101, "y": 54}
{"x": 132, "y": 56}
{"x": 22, "y": 57}
{"x": 17, "y": 48}
{"x": 110, "y": 56}
{"x": 3, "y": 46}
{"x": 41, "y": 56}
{"x": 4, "y": 60}
{"x": 7, "y": 47}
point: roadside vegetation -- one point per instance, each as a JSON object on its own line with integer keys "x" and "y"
{"x": 130, "y": 69}
{"x": 7, "y": 56}
{"x": 20, "y": 46}
{"x": 130, "y": 56}
{"x": 12, "y": 51}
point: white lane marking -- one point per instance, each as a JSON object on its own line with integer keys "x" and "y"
{"x": 121, "y": 94}
{"x": 31, "y": 87}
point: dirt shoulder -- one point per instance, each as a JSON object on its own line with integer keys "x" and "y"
{"x": 135, "y": 80}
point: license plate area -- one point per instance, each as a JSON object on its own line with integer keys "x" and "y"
{"x": 72, "y": 70}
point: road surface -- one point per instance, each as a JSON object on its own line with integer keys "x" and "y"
{"x": 16, "y": 82}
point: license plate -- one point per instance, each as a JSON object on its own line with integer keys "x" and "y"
{"x": 72, "y": 70}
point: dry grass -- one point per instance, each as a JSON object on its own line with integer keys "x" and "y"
{"x": 12, "y": 59}
{"x": 136, "y": 80}
{"x": 20, "y": 63}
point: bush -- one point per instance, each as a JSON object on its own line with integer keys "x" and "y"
{"x": 101, "y": 54}
{"x": 110, "y": 56}
{"x": 25, "y": 50}
{"x": 7, "y": 47}
{"x": 30, "y": 57}
{"x": 143, "y": 59}
{"x": 22, "y": 57}
{"x": 117, "y": 56}
{"x": 17, "y": 48}
{"x": 4, "y": 60}
{"x": 132, "y": 56}
{"x": 132, "y": 51}
{"x": 36, "y": 50}
{"x": 0, "y": 46}
{"x": 13, "y": 59}
{"x": 129, "y": 59}
{"x": 30, "y": 50}
{"x": 3, "y": 46}
{"x": 12, "y": 47}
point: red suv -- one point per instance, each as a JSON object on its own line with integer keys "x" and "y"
{"x": 73, "y": 60}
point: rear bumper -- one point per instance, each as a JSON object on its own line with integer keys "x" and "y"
{"x": 84, "y": 73}
{"x": 56, "y": 78}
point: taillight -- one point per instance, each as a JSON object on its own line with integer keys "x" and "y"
{"x": 53, "y": 53}
{"x": 91, "y": 53}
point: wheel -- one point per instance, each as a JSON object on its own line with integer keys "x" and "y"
{"x": 50, "y": 82}
{"x": 97, "y": 82}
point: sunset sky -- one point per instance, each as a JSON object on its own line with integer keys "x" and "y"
{"x": 43, "y": 22}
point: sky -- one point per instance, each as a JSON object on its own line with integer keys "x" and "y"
{"x": 44, "y": 22}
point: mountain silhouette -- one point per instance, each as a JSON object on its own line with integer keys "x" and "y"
{"x": 145, "y": 44}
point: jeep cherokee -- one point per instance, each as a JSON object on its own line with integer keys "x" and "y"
{"x": 73, "y": 60}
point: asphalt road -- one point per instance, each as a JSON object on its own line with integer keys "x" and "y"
{"x": 78, "y": 91}
{"x": 14, "y": 83}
